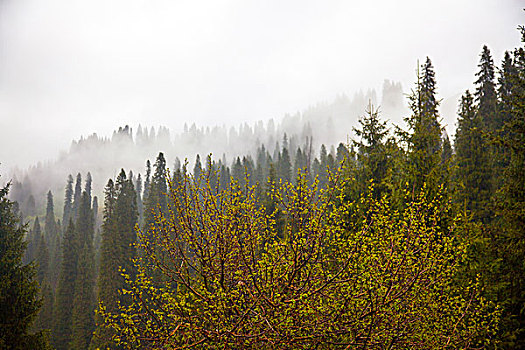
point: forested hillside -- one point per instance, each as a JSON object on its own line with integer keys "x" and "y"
{"x": 286, "y": 235}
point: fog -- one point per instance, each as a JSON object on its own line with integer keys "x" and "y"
{"x": 71, "y": 68}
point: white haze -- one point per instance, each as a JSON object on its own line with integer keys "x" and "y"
{"x": 70, "y": 68}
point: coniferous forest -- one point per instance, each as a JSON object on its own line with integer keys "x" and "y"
{"x": 399, "y": 238}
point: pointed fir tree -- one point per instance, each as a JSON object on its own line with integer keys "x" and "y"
{"x": 51, "y": 236}
{"x": 88, "y": 185}
{"x": 197, "y": 169}
{"x": 82, "y": 315}
{"x": 76, "y": 197}
{"x": 138, "y": 187}
{"x": 68, "y": 202}
{"x": 512, "y": 211}
{"x": 156, "y": 196}
{"x": 61, "y": 334}
{"x": 147, "y": 182}
{"x": 284, "y": 164}
{"x": 117, "y": 250}
{"x": 472, "y": 177}
{"x": 423, "y": 140}
{"x": 373, "y": 159}
{"x": 50, "y": 223}
{"x": 19, "y": 302}
{"x": 485, "y": 94}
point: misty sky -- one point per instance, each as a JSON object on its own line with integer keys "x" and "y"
{"x": 71, "y": 67}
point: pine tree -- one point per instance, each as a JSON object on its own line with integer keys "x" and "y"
{"x": 51, "y": 236}
{"x": 88, "y": 185}
{"x": 68, "y": 202}
{"x": 472, "y": 176}
{"x": 147, "y": 181}
{"x": 512, "y": 209}
{"x": 284, "y": 164}
{"x": 373, "y": 159}
{"x": 299, "y": 163}
{"x": 77, "y": 196}
{"x": 197, "y": 169}
{"x": 84, "y": 298}
{"x": 66, "y": 289}
{"x": 485, "y": 94}
{"x": 82, "y": 315}
{"x": 424, "y": 137}
{"x": 19, "y": 303}
{"x": 50, "y": 223}
{"x": 138, "y": 187}
{"x": 156, "y": 197}
{"x": 117, "y": 249}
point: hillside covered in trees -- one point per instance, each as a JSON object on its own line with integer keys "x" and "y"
{"x": 399, "y": 238}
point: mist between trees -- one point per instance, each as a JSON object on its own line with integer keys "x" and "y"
{"x": 396, "y": 239}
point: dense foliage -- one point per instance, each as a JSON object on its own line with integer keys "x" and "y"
{"x": 19, "y": 301}
{"x": 399, "y": 239}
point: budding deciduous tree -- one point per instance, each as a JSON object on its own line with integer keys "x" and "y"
{"x": 386, "y": 279}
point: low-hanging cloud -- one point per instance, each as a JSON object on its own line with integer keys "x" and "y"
{"x": 70, "y": 67}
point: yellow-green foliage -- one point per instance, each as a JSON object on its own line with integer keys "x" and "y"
{"x": 381, "y": 280}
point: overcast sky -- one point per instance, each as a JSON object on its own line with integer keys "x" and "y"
{"x": 72, "y": 67}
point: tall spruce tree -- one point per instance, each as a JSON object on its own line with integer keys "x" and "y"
{"x": 512, "y": 209}
{"x": 485, "y": 94}
{"x": 284, "y": 164}
{"x": 88, "y": 185}
{"x": 117, "y": 250}
{"x": 373, "y": 160}
{"x": 52, "y": 238}
{"x": 82, "y": 315}
{"x": 472, "y": 176}
{"x": 77, "y": 196}
{"x": 61, "y": 334}
{"x": 197, "y": 169}
{"x": 156, "y": 196}
{"x": 68, "y": 202}
{"x": 423, "y": 139}
{"x": 19, "y": 302}
{"x": 50, "y": 223}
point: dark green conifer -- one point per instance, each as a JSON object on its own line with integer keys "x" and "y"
{"x": 284, "y": 164}
{"x": 485, "y": 94}
{"x": 68, "y": 202}
{"x": 82, "y": 315}
{"x": 512, "y": 210}
{"x": 423, "y": 140}
{"x": 156, "y": 196}
{"x": 88, "y": 185}
{"x": 373, "y": 158}
{"x": 197, "y": 169}
{"x": 472, "y": 177}
{"x": 117, "y": 249}
{"x": 19, "y": 303}
{"x": 66, "y": 289}
{"x": 77, "y": 196}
